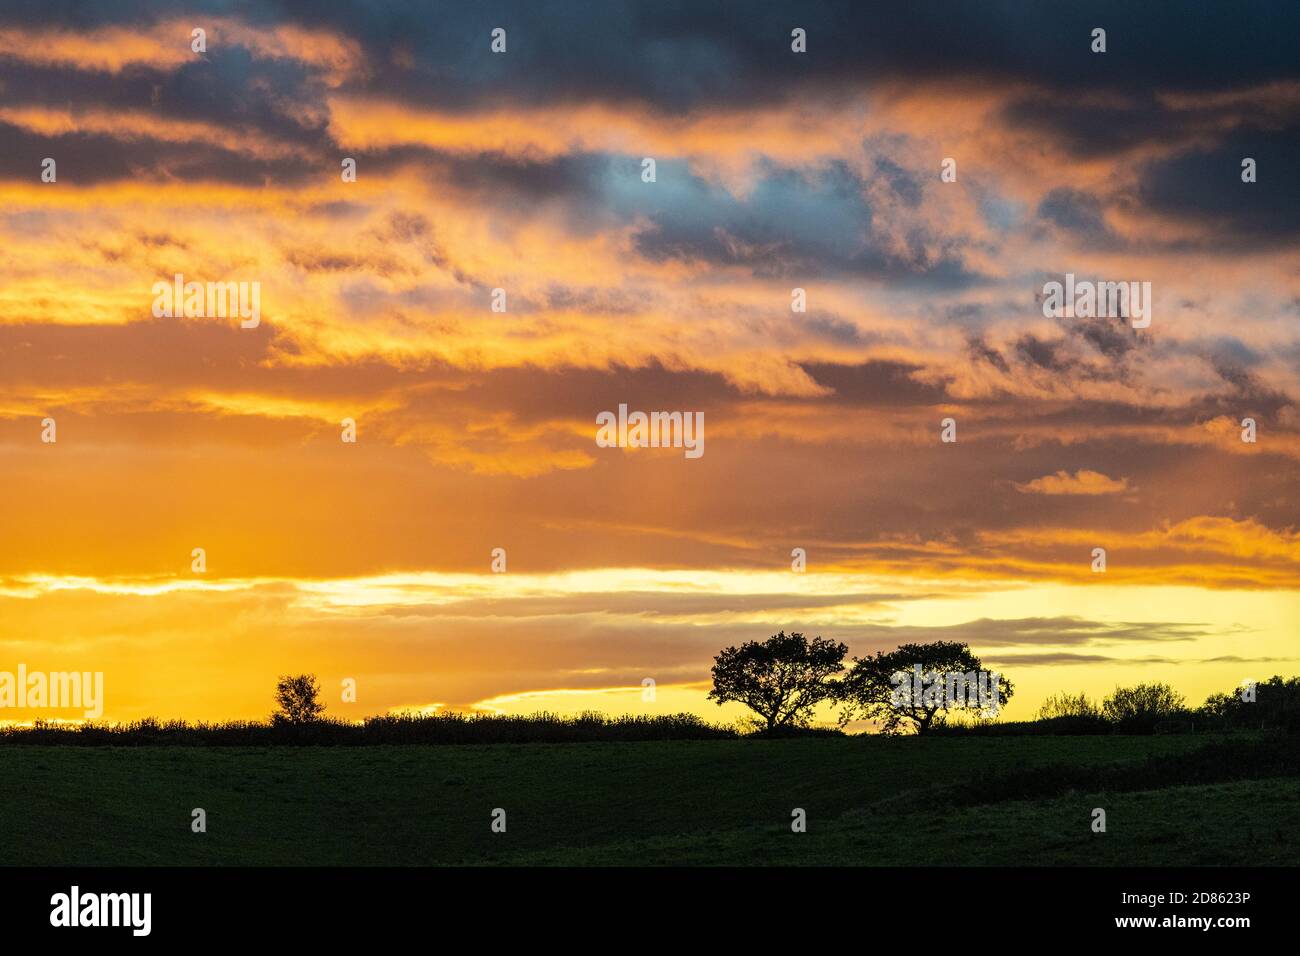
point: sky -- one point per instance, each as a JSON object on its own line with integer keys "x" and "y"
{"x": 523, "y": 171}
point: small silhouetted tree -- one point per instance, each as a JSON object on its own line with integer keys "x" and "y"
{"x": 1139, "y": 709}
{"x": 299, "y": 700}
{"x": 1068, "y": 705}
{"x": 781, "y": 679}
{"x": 885, "y": 688}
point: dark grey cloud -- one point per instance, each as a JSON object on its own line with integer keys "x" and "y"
{"x": 93, "y": 158}
{"x": 249, "y": 97}
{"x": 1031, "y": 631}
{"x": 1078, "y": 213}
{"x": 678, "y": 54}
{"x": 1113, "y": 338}
{"x": 1064, "y": 658}
{"x": 877, "y": 382}
{"x": 814, "y": 222}
{"x": 840, "y": 331}
{"x": 1205, "y": 185}
{"x": 1045, "y": 354}
{"x": 1092, "y": 129}
{"x": 904, "y": 183}
{"x": 977, "y": 348}
{"x": 534, "y": 394}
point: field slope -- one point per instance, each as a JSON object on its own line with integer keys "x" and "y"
{"x": 869, "y": 800}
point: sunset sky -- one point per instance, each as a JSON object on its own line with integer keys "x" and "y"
{"x": 476, "y": 429}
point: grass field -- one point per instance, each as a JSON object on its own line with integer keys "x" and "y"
{"x": 699, "y": 802}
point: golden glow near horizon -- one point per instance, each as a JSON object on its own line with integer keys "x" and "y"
{"x": 574, "y": 641}
{"x": 475, "y": 427}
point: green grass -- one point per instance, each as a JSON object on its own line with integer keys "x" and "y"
{"x": 610, "y": 803}
{"x": 1250, "y": 823}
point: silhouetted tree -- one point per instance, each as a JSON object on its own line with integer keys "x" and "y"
{"x": 298, "y": 698}
{"x": 887, "y": 688}
{"x": 1271, "y": 703}
{"x": 781, "y": 679}
{"x": 1139, "y": 709}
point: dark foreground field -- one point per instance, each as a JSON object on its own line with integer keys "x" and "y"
{"x": 869, "y": 800}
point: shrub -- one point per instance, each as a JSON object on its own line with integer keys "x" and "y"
{"x": 1068, "y": 705}
{"x": 451, "y": 728}
{"x": 1043, "y": 727}
{"x": 1137, "y": 710}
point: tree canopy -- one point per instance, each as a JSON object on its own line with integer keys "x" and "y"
{"x": 298, "y": 700}
{"x": 781, "y": 679}
{"x": 921, "y": 684}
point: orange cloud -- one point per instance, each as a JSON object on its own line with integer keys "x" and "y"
{"x": 1082, "y": 482}
{"x": 166, "y": 45}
